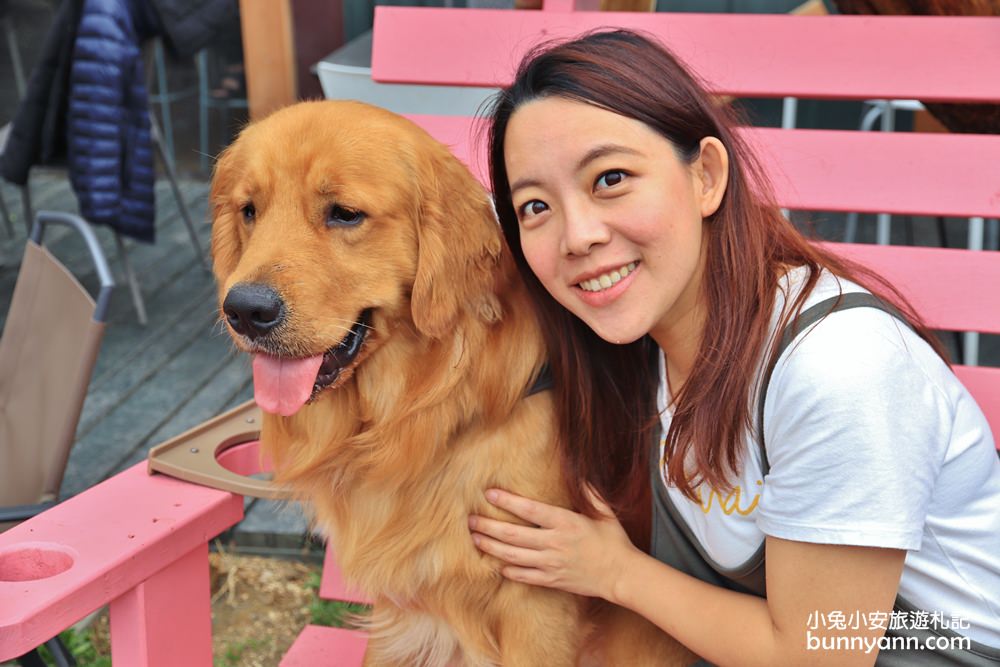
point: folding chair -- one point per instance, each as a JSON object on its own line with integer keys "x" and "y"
{"x": 47, "y": 353}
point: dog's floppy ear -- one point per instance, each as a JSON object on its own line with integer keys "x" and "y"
{"x": 226, "y": 240}
{"x": 459, "y": 244}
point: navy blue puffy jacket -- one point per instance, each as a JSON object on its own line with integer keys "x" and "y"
{"x": 108, "y": 131}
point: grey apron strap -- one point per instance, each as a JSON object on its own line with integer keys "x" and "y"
{"x": 806, "y": 319}
{"x": 673, "y": 543}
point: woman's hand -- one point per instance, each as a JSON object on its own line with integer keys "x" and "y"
{"x": 563, "y": 549}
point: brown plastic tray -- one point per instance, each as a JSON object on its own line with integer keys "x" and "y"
{"x": 193, "y": 455}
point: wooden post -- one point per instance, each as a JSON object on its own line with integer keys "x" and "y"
{"x": 167, "y": 619}
{"x": 268, "y": 55}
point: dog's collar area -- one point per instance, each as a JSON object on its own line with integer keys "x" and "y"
{"x": 543, "y": 382}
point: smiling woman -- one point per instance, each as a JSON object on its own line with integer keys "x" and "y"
{"x": 702, "y": 348}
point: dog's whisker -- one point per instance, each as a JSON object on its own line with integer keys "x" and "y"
{"x": 359, "y": 324}
{"x": 348, "y": 329}
{"x": 344, "y": 329}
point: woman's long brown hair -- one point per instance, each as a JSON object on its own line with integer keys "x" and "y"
{"x": 606, "y": 392}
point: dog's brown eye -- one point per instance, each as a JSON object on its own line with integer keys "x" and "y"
{"x": 249, "y": 213}
{"x": 338, "y": 216}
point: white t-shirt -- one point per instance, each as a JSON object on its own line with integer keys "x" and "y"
{"x": 871, "y": 441}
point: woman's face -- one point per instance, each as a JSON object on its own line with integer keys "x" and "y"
{"x": 611, "y": 220}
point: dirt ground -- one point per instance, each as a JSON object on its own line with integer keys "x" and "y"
{"x": 259, "y": 606}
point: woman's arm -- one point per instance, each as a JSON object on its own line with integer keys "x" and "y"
{"x": 591, "y": 557}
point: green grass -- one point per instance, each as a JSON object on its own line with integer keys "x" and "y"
{"x": 80, "y": 645}
{"x": 234, "y": 652}
{"x": 333, "y": 613}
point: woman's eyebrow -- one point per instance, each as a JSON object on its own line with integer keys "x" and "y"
{"x": 603, "y": 150}
{"x": 593, "y": 154}
{"x": 524, "y": 183}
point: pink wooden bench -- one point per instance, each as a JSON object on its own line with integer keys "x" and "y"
{"x": 138, "y": 543}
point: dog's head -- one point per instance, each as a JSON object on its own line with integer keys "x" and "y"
{"x": 334, "y": 223}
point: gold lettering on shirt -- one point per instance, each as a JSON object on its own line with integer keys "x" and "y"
{"x": 730, "y": 503}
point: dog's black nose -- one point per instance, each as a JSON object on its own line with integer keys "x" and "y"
{"x": 253, "y": 310}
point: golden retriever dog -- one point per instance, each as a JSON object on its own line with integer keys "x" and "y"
{"x": 394, "y": 347}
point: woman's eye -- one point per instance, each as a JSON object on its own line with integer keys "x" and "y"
{"x": 338, "y": 216}
{"x": 610, "y": 179}
{"x": 532, "y": 208}
{"x": 249, "y": 213}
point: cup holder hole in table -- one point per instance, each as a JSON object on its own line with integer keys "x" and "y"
{"x": 33, "y": 562}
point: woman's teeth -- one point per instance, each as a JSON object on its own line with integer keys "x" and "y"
{"x": 606, "y": 280}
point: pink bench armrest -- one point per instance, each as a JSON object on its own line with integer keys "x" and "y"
{"x": 136, "y": 542}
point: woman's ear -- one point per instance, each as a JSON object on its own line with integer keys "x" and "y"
{"x": 711, "y": 173}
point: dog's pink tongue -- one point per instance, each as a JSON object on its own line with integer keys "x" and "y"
{"x": 282, "y": 386}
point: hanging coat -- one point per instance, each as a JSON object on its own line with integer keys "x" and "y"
{"x": 108, "y": 129}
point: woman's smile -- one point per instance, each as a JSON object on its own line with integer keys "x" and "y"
{"x": 606, "y": 286}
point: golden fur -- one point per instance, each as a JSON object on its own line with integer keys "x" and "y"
{"x": 397, "y": 454}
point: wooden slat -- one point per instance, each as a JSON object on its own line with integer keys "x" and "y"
{"x": 984, "y": 385}
{"x": 333, "y": 586}
{"x": 128, "y": 426}
{"x": 461, "y": 135}
{"x": 948, "y": 287}
{"x": 830, "y": 170}
{"x": 843, "y": 57}
{"x": 318, "y": 645}
{"x": 882, "y": 172}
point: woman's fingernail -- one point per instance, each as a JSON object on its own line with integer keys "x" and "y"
{"x": 472, "y": 522}
{"x": 492, "y": 496}
{"x": 476, "y": 539}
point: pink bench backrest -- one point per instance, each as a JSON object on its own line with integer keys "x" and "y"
{"x": 853, "y": 57}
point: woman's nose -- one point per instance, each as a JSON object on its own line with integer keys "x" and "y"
{"x": 582, "y": 231}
